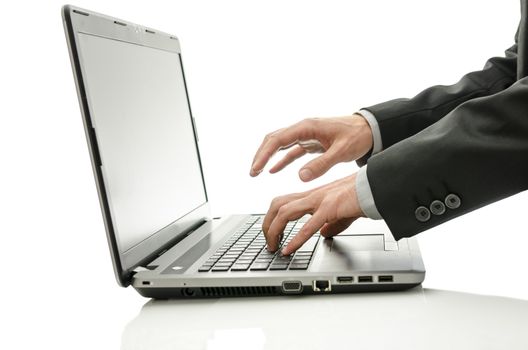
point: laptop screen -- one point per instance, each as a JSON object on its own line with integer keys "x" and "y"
{"x": 141, "y": 116}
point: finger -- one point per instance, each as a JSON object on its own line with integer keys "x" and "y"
{"x": 276, "y": 203}
{"x": 333, "y": 228}
{"x": 255, "y": 171}
{"x": 288, "y": 212}
{"x": 292, "y": 155}
{"x": 278, "y": 140}
{"x": 320, "y": 165}
{"x": 317, "y": 220}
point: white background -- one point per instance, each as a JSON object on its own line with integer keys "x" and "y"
{"x": 251, "y": 67}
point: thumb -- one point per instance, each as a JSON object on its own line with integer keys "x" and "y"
{"x": 320, "y": 165}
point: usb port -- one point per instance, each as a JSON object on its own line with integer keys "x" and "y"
{"x": 364, "y": 279}
{"x": 345, "y": 279}
{"x": 387, "y": 278}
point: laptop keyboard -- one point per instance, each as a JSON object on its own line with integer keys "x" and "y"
{"x": 246, "y": 250}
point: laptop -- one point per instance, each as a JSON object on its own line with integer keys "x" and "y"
{"x": 144, "y": 150}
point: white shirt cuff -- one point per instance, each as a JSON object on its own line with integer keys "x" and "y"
{"x": 364, "y": 195}
{"x": 377, "y": 145}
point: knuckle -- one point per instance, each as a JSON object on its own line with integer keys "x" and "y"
{"x": 269, "y": 137}
{"x": 313, "y": 198}
{"x": 325, "y": 206}
{"x": 308, "y": 122}
{"x": 283, "y": 211}
{"x": 276, "y": 201}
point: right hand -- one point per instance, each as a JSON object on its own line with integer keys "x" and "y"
{"x": 341, "y": 139}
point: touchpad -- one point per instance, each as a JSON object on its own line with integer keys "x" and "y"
{"x": 349, "y": 243}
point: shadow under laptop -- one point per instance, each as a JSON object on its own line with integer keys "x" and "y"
{"x": 414, "y": 319}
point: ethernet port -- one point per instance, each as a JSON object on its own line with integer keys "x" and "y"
{"x": 321, "y": 286}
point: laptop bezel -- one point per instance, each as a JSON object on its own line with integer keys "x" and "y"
{"x": 77, "y": 20}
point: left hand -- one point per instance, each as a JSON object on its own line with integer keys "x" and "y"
{"x": 333, "y": 207}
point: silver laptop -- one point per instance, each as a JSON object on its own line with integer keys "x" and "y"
{"x": 144, "y": 149}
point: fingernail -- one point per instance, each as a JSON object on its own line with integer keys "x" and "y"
{"x": 305, "y": 174}
{"x": 254, "y": 172}
{"x": 283, "y": 252}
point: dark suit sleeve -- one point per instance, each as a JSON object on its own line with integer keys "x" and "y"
{"x": 401, "y": 118}
{"x": 478, "y": 151}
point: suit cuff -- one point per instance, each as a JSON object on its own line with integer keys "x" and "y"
{"x": 377, "y": 145}
{"x": 364, "y": 195}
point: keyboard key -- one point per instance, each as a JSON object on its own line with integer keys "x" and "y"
{"x": 280, "y": 262}
{"x": 255, "y": 250}
{"x": 278, "y": 267}
{"x": 259, "y": 266}
{"x": 283, "y": 258}
{"x": 220, "y": 268}
{"x": 204, "y": 268}
{"x": 243, "y": 262}
{"x": 298, "y": 266}
{"x": 309, "y": 245}
{"x": 303, "y": 254}
{"x": 240, "y": 267}
{"x": 300, "y": 261}
{"x": 237, "y": 249}
{"x": 266, "y": 254}
{"x": 248, "y": 256}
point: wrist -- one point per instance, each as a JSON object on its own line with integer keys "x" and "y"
{"x": 365, "y": 135}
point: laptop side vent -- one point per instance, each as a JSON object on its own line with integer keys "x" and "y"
{"x": 238, "y": 291}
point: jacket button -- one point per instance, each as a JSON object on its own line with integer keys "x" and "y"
{"x": 452, "y": 201}
{"x": 437, "y": 207}
{"x": 422, "y": 214}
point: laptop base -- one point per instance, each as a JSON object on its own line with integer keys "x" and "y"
{"x": 257, "y": 291}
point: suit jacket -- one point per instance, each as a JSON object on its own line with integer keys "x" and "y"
{"x": 452, "y": 149}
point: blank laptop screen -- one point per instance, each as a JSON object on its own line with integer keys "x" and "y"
{"x": 140, "y": 113}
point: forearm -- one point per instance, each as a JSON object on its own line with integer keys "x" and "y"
{"x": 401, "y": 118}
{"x": 478, "y": 152}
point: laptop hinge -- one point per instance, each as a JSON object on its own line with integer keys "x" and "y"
{"x": 151, "y": 264}
{"x": 139, "y": 269}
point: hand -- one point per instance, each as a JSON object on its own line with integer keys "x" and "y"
{"x": 340, "y": 139}
{"x": 333, "y": 207}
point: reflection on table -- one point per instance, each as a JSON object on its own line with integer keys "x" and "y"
{"x": 414, "y": 319}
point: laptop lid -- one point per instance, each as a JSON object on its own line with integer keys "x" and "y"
{"x": 141, "y": 135}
